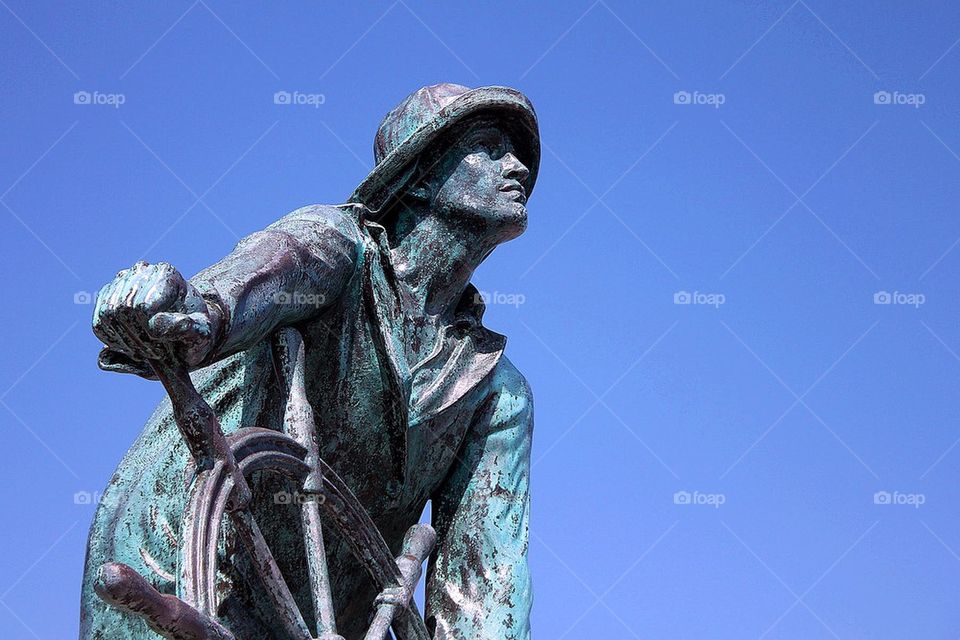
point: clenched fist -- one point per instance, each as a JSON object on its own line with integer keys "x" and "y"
{"x": 150, "y": 312}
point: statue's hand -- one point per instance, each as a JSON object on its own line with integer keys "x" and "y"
{"x": 151, "y": 312}
{"x": 120, "y": 586}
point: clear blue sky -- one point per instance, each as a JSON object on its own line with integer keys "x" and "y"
{"x": 780, "y": 187}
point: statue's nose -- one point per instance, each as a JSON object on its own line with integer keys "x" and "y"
{"x": 513, "y": 168}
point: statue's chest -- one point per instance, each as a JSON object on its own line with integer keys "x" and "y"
{"x": 435, "y": 445}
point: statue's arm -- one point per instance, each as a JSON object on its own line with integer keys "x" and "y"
{"x": 290, "y": 271}
{"x": 286, "y": 273}
{"x": 480, "y": 514}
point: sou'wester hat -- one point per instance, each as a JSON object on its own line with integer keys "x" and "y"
{"x": 427, "y": 115}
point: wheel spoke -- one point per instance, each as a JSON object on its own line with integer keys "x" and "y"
{"x": 361, "y": 534}
{"x": 273, "y": 581}
{"x": 299, "y": 424}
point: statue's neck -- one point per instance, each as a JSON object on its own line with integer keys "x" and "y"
{"x": 436, "y": 264}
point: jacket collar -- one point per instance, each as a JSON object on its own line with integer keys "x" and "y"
{"x": 469, "y": 351}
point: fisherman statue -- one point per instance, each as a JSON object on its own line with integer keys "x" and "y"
{"x": 408, "y": 396}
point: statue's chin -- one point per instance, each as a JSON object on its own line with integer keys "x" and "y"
{"x": 516, "y": 222}
{"x": 497, "y": 224}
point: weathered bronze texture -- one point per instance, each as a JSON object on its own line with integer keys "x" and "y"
{"x": 325, "y": 380}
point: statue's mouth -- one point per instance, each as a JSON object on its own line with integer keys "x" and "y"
{"x": 514, "y": 186}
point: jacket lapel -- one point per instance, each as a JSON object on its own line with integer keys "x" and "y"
{"x": 440, "y": 384}
{"x": 470, "y": 352}
{"x": 384, "y": 309}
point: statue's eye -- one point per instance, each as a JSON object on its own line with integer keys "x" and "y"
{"x": 492, "y": 148}
{"x": 489, "y": 144}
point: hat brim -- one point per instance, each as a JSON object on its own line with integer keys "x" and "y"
{"x": 510, "y": 109}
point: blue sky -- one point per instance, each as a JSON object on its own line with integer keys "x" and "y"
{"x": 776, "y": 458}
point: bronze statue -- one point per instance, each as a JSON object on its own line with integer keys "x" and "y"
{"x": 341, "y": 378}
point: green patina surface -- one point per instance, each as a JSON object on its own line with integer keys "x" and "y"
{"x": 413, "y": 399}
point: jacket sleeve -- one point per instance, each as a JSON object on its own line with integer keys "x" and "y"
{"x": 290, "y": 271}
{"x": 479, "y": 579}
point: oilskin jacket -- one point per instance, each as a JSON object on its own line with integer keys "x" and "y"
{"x": 454, "y": 428}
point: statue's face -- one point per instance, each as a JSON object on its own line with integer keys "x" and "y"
{"x": 482, "y": 185}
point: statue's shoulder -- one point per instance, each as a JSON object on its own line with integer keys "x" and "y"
{"x": 324, "y": 221}
{"x": 510, "y": 399}
{"x": 508, "y": 379}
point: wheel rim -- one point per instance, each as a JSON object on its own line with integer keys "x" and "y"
{"x": 255, "y": 450}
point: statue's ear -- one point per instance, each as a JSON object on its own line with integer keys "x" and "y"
{"x": 411, "y": 185}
